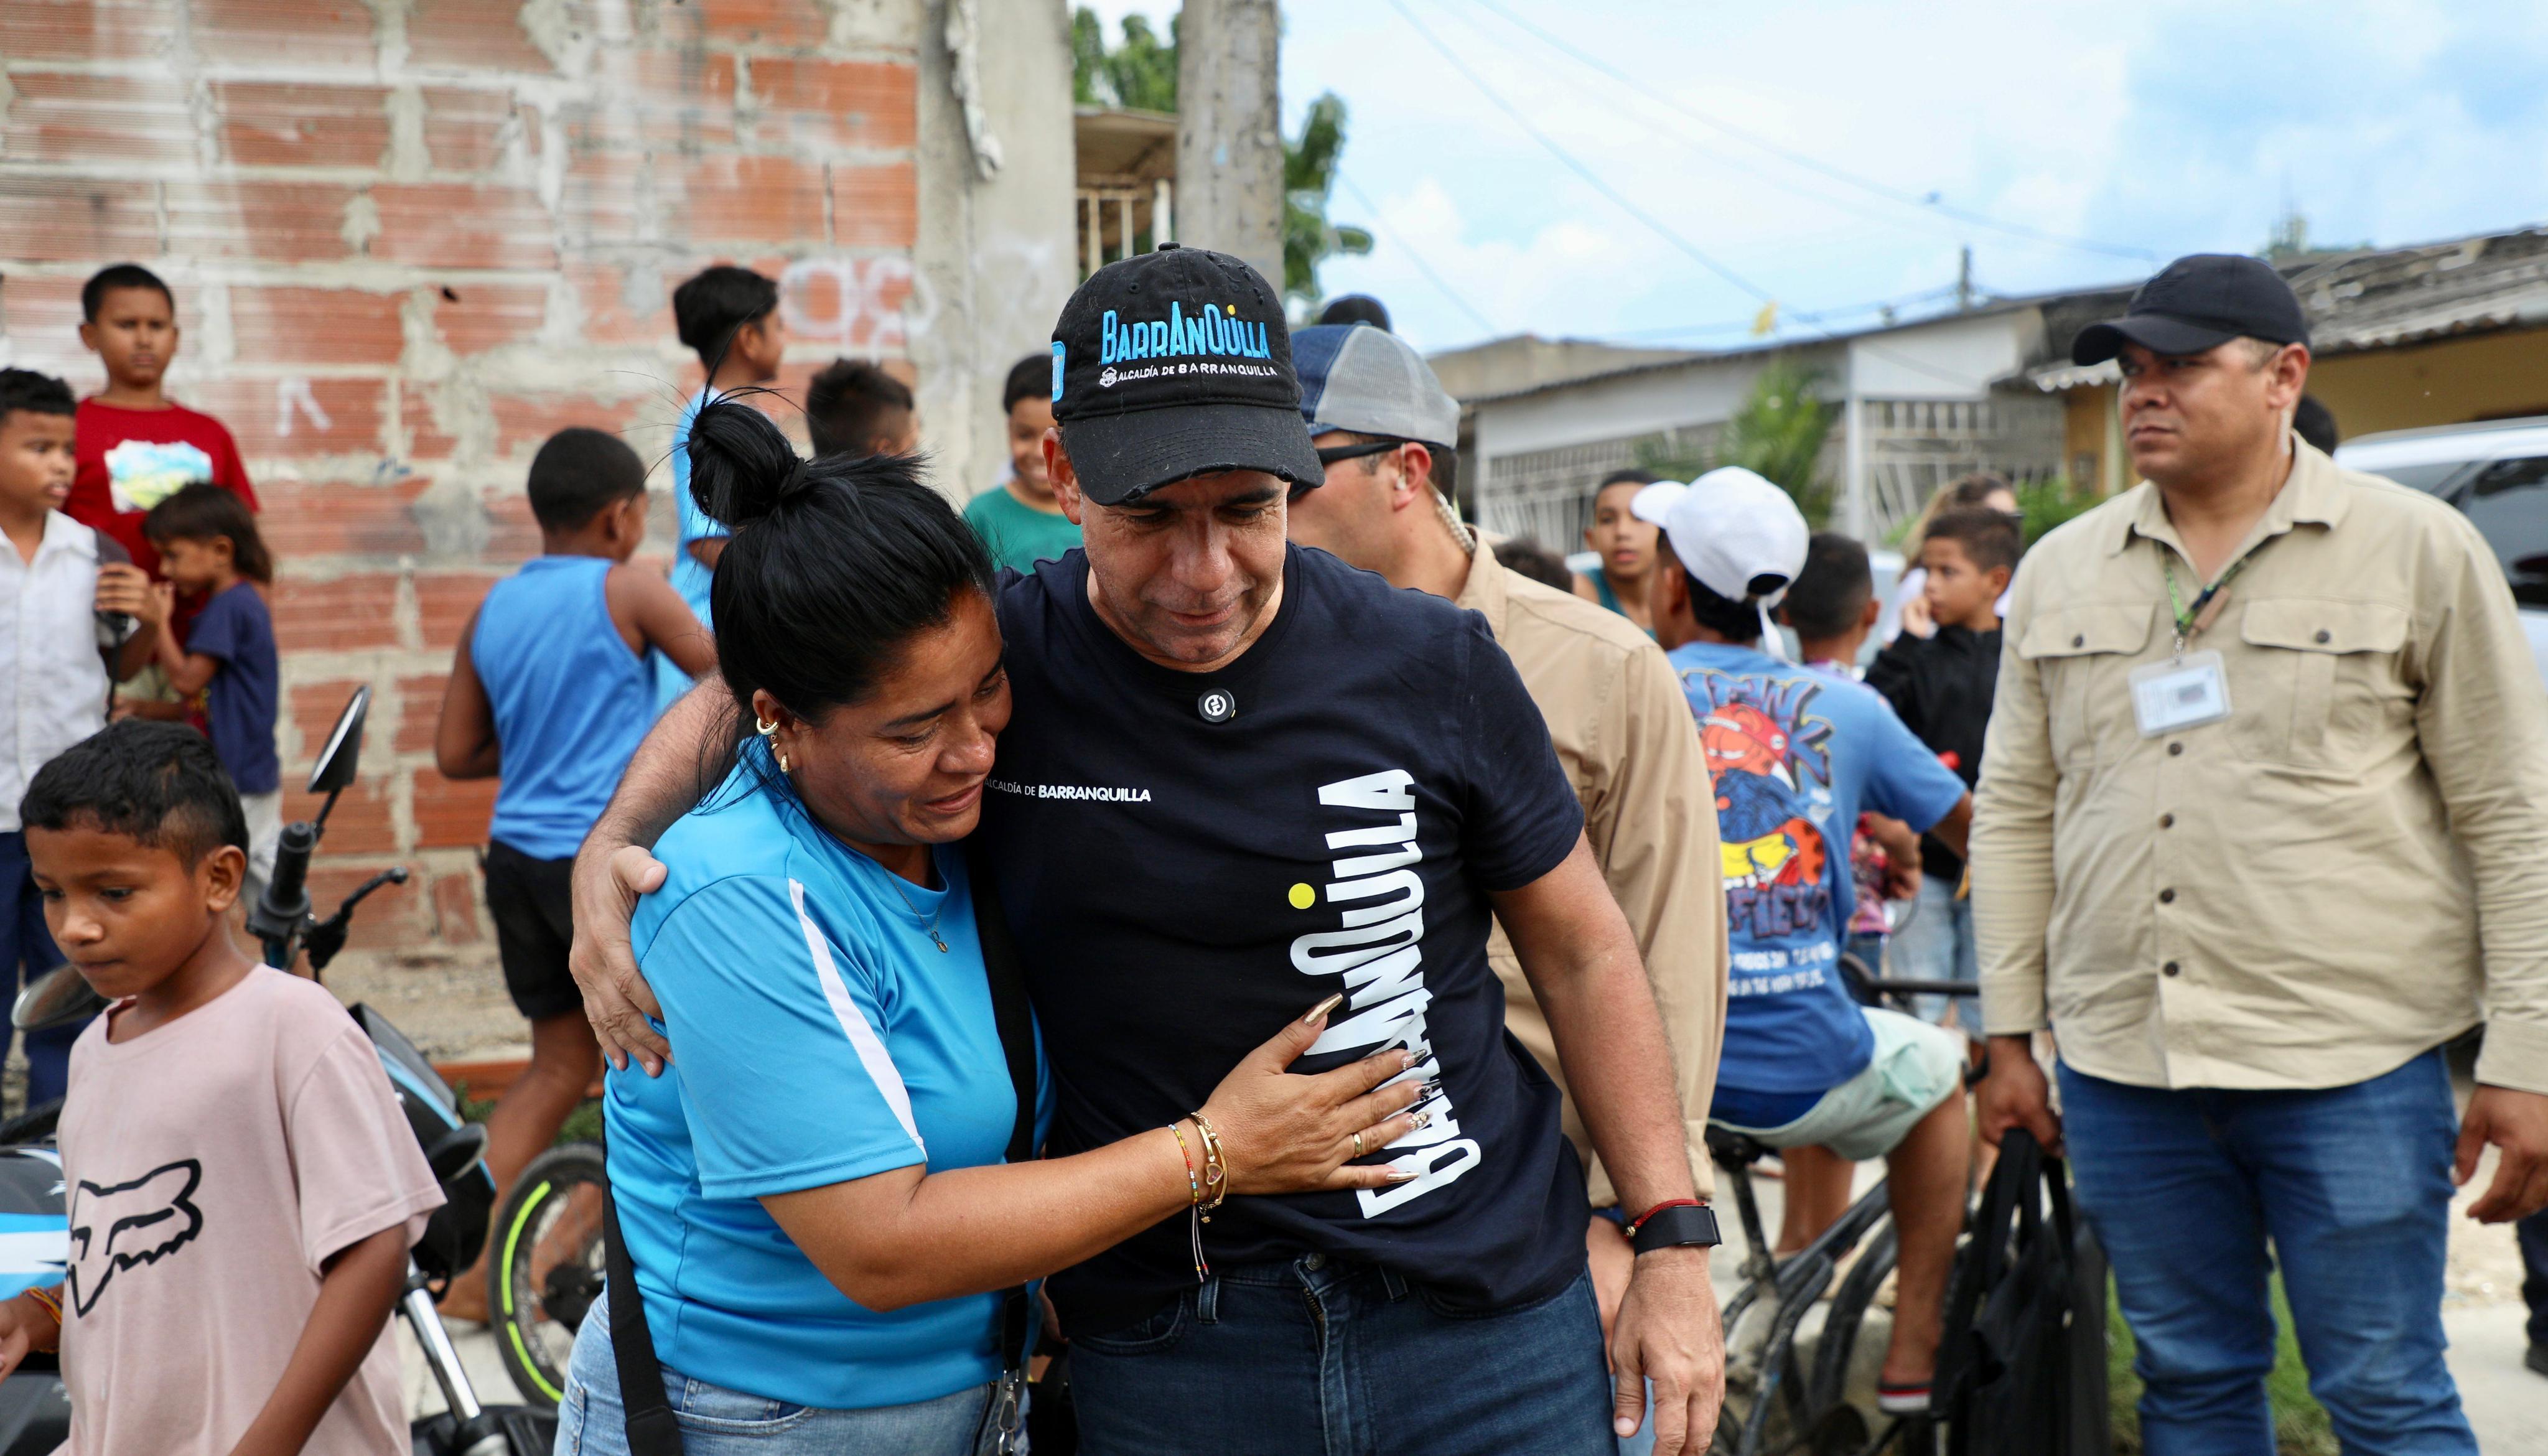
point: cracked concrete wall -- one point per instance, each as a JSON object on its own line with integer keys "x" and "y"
{"x": 411, "y": 239}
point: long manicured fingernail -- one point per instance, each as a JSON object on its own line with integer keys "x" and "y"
{"x": 1320, "y": 1011}
{"x": 1624, "y": 1426}
{"x": 1402, "y": 1175}
{"x": 1425, "y": 1119}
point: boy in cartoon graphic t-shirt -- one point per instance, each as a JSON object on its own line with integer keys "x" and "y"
{"x": 1796, "y": 755}
{"x": 137, "y": 447}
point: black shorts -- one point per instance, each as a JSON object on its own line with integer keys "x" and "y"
{"x": 532, "y": 904}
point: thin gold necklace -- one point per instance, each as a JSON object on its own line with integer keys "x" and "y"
{"x": 895, "y": 881}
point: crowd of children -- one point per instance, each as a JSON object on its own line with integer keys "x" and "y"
{"x": 138, "y": 664}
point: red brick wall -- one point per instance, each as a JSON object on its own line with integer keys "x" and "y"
{"x": 409, "y": 240}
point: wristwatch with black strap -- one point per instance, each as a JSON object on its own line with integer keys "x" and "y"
{"x": 1677, "y": 1223}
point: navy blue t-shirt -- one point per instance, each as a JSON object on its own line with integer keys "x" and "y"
{"x": 239, "y": 704}
{"x": 1189, "y": 860}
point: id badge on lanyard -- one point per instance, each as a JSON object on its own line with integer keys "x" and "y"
{"x": 2191, "y": 688}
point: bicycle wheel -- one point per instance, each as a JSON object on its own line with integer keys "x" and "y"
{"x": 1837, "y": 1348}
{"x": 545, "y": 1267}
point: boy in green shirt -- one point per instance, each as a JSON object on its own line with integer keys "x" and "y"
{"x": 1021, "y": 522}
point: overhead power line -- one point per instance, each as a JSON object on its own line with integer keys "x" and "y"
{"x": 1413, "y": 256}
{"x": 1592, "y": 178}
{"x": 1813, "y": 163}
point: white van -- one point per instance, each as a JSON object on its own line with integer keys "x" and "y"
{"x": 2497, "y": 474}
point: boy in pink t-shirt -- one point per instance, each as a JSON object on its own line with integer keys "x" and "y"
{"x": 243, "y": 1188}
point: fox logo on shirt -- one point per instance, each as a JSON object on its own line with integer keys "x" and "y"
{"x": 126, "y": 1225}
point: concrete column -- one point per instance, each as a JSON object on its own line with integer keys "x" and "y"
{"x": 1230, "y": 141}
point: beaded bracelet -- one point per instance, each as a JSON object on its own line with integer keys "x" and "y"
{"x": 52, "y": 1301}
{"x": 1194, "y": 1189}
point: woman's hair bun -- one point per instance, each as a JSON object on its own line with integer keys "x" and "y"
{"x": 741, "y": 465}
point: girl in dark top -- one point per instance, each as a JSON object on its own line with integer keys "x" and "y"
{"x": 224, "y": 669}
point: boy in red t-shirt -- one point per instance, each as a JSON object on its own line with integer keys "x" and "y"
{"x": 136, "y": 448}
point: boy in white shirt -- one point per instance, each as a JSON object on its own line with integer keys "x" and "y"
{"x": 77, "y": 616}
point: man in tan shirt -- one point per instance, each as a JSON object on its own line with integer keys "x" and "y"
{"x": 1615, "y": 711}
{"x": 2264, "y": 823}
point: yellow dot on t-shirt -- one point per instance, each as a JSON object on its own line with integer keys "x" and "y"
{"x": 1303, "y": 898}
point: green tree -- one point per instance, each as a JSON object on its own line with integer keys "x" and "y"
{"x": 1777, "y": 434}
{"x": 1141, "y": 73}
{"x": 1309, "y": 176}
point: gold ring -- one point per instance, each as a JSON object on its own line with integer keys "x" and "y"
{"x": 1357, "y": 1144}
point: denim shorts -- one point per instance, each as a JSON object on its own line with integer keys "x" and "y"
{"x": 717, "y": 1421}
{"x": 1914, "y": 1067}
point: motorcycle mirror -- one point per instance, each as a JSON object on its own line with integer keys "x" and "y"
{"x": 56, "y": 998}
{"x": 337, "y": 761}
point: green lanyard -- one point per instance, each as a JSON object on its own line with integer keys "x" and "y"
{"x": 2187, "y": 616}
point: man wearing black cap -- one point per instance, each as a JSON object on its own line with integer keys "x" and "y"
{"x": 1239, "y": 776}
{"x": 2266, "y": 824}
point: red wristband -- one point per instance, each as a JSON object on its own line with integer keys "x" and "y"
{"x": 1639, "y": 1222}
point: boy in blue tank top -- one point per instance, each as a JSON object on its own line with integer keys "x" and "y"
{"x": 551, "y": 691}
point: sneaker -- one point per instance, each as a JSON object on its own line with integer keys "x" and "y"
{"x": 1902, "y": 1400}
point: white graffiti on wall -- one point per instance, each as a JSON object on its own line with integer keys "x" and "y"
{"x": 293, "y": 395}
{"x": 855, "y": 303}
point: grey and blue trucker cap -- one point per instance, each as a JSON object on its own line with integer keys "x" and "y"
{"x": 1354, "y": 377}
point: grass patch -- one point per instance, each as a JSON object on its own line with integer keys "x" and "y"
{"x": 2300, "y": 1426}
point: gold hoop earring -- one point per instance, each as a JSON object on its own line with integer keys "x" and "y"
{"x": 765, "y": 727}
{"x": 783, "y": 763}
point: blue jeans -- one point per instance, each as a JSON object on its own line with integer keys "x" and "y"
{"x": 1937, "y": 945}
{"x": 716, "y": 1421}
{"x": 25, "y": 942}
{"x": 1316, "y": 1357}
{"x": 2353, "y": 1187}
{"x": 2533, "y": 1234}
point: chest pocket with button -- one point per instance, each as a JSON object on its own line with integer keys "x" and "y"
{"x": 2084, "y": 655}
{"x": 2319, "y": 683}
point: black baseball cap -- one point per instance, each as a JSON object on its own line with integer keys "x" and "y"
{"x": 2198, "y": 303}
{"x": 1174, "y": 364}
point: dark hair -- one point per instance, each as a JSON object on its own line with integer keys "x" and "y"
{"x": 579, "y": 474}
{"x": 154, "y": 783}
{"x": 1735, "y": 621}
{"x": 1357, "y": 308}
{"x": 834, "y": 564}
{"x": 121, "y": 275}
{"x": 1530, "y": 559}
{"x": 2316, "y": 423}
{"x": 716, "y": 303}
{"x": 1989, "y": 538}
{"x": 36, "y": 393}
{"x": 1831, "y": 594}
{"x": 847, "y": 403}
{"x": 206, "y": 512}
{"x": 1629, "y": 477}
{"x": 1030, "y": 379}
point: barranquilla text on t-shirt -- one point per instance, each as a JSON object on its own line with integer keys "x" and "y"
{"x": 1379, "y": 952}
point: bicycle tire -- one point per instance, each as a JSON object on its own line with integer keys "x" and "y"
{"x": 535, "y": 1319}
{"x": 1847, "y": 1314}
{"x": 34, "y": 1125}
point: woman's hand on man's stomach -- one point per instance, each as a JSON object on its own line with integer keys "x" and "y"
{"x": 1283, "y": 1131}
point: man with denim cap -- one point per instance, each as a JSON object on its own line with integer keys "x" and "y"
{"x": 1384, "y": 426}
{"x": 2266, "y": 823}
{"x": 1240, "y": 775}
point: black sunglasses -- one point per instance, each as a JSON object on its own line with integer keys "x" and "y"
{"x": 1331, "y": 454}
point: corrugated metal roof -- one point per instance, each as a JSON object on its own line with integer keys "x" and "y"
{"x": 2392, "y": 296}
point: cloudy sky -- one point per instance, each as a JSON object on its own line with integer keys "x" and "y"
{"x": 1732, "y": 152}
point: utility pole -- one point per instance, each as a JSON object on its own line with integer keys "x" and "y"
{"x": 1230, "y": 138}
{"x": 1964, "y": 281}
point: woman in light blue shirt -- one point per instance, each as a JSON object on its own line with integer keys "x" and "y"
{"x": 814, "y": 1196}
